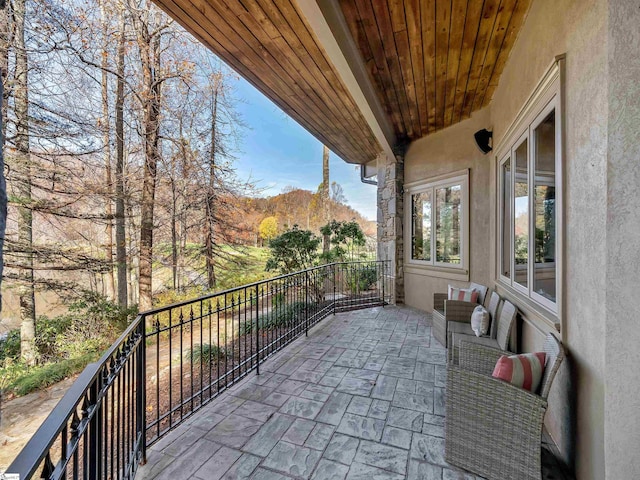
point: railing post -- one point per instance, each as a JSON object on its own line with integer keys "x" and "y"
{"x": 141, "y": 390}
{"x": 384, "y": 267}
{"x": 95, "y": 429}
{"x": 334, "y": 287}
{"x": 306, "y": 304}
{"x": 257, "y": 331}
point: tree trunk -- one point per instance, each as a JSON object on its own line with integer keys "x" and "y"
{"x": 149, "y": 46}
{"x": 121, "y": 247}
{"x": 174, "y": 233}
{"x": 210, "y": 239}
{"x": 4, "y": 58}
{"x": 106, "y": 138}
{"x": 325, "y": 197}
{"x": 22, "y": 184}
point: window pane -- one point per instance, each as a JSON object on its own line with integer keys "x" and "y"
{"x": 544, "y": 273}
{"x": 448, "y": 212}
{"x": 521, "y": 216}
{"x": 506, "y": 219}
{"x": 421, "y": 224}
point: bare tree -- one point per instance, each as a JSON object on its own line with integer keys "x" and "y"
{"x": 121, "y": 240}
{"x": 21, "y": 173}
{"x": 325, "y": 196}
{"x": 149, "y": 26}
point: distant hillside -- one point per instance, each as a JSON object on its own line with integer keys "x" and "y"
{"x": 298, "y": 207}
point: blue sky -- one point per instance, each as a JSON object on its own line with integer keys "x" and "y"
{"x": 277, "y": 152}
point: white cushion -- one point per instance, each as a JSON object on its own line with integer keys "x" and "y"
{"x": 480, "y": 320}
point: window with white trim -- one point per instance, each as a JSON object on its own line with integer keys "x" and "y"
{"x": 438, "y": 218}
{"x": 528, "y": 186}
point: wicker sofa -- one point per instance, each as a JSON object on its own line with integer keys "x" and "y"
{"x": 445, "y": 310}
{"x": 465, "y": 327}
{"x": 500, "y": 333}
{"x": 493, "y": 428}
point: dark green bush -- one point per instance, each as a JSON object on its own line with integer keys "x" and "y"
{"x": 206, "y": 352}
{"x": 43, "y": 376}
{"x": 10, "y": 346}
{"x": 47, "y": 332}
{"x": 281, "y": 316}
{"x": 362, "y": 278}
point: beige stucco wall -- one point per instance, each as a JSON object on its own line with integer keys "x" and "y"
{"x": 448, "y": 151}
{"x": 577, "y": 28}
{"x": 622, "y": 350}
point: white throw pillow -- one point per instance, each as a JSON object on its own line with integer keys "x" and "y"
{"x": 480, "y": 320}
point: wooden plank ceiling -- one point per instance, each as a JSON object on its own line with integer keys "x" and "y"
{"x": 433, "y": 62}
{"x": 271, "y": 45}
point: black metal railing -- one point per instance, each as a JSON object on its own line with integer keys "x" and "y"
{"x": 173, "y": 360}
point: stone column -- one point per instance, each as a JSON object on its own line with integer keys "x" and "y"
{"x": 390, "y": 218}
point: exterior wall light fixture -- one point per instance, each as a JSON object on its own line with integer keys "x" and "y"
{"x": 483, "y": 138}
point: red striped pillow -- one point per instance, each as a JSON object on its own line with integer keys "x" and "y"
{"x": 464, "y": 294}
{"x": 524, "y": 371}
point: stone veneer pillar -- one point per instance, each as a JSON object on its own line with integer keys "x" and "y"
{"x": 390, "y": 219}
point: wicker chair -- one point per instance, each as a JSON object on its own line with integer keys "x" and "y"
{"x": 502, "y": 329}
{"x": 493, "y": 428}
{"x": 453, "y": 310}
{"x": 465, "y": 327}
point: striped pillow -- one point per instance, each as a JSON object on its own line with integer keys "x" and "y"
{"x": 524, "y": 371}
{"x": 464, "y": 294}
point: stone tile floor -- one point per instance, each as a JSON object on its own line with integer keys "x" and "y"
{"x": 362, "y": 397}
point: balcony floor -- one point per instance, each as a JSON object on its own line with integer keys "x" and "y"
{"x": 362, "y": 397}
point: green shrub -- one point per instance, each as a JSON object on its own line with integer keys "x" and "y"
{"x": 205, "y": 353}
{"x": 42, "y": 376}
{"x": 279, "y": 317}
{"x": 47, "y": 332}
{"x": 10, "y": 346}
{"x": 361, "y": 278}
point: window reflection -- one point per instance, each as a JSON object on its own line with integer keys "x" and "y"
{"x": 544, "y": 273}
{"x": 421, "y": 214}
{"x": 521, "y": 211}
{"x": 448, "y": 209}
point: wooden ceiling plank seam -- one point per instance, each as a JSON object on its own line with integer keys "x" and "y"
{"x": 487, "y": 22}
{"x": 458, "y": 18}
{"x": 401, "y": 38}
{"x": 287, "y": 52}
{"x": 443, "y": 30}
{"x": 246, "y": 67}
{"x": 385, "y": 30}
{"x": 329, "y": 77}
{"x": 428, "y": 25}
{"x": 496, "y": 42}
{"x": 517, "y": 20}
{"x": 471, "y": 30}
{"x": 284, "y": 71}
{"x": 413, "y": 18}
{"x": 382, "y": 76}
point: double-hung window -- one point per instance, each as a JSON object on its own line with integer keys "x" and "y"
{"x": 438, "y": 218}
{"x": 529, "y": 190}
